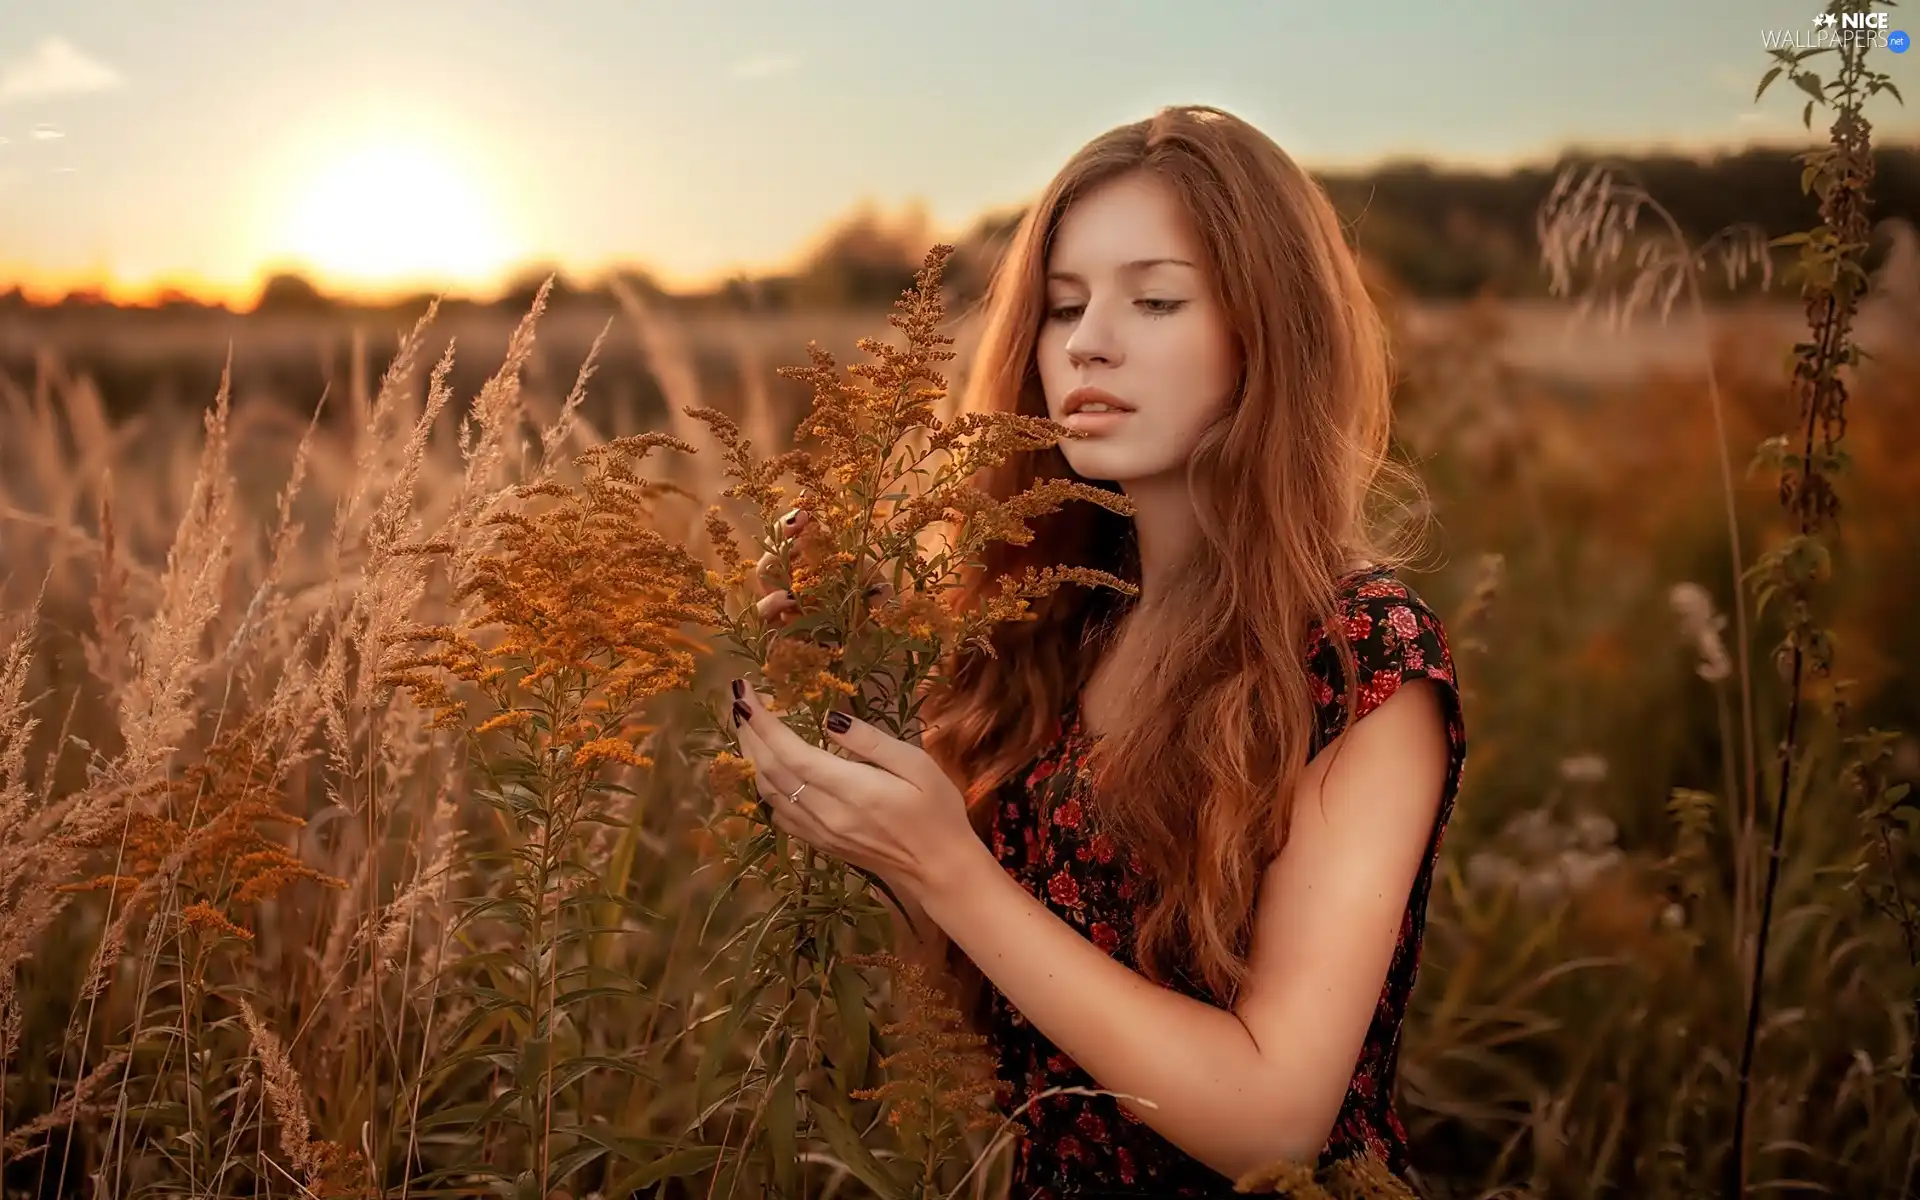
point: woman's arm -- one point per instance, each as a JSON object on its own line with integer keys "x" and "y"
{"x": 1241, "y": 1089}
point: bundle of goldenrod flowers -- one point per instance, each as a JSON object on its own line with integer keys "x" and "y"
{"x": 588, "y": 598}
{"x": 873, "y": 625}
{"x": 201, "y": 831}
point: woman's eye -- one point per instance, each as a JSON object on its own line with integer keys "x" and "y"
{"x": 1158, "y": 308}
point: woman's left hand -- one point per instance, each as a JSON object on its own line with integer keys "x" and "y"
{"x": 897, "y": 814}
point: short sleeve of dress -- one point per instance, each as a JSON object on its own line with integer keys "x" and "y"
{"x": 1396, "y": 637}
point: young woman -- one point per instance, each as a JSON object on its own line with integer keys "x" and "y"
{"x": 1176, "y": 846}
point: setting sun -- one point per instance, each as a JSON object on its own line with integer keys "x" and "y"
{"x": 390, "y": 213}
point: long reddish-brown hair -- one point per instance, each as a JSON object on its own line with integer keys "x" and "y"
{"x": 1206, "y": 758}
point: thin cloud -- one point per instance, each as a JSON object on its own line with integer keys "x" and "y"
{"x": 56, "y": 67}
{"x": 761, "y": 66}
{"x": 45, "y": 133}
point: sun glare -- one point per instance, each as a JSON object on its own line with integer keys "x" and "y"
{"x": 388, "y": 214}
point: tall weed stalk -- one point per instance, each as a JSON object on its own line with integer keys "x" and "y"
{"x": 1809, "y": 461}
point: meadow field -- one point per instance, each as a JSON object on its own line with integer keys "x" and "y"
{"x": 273, "y": 927}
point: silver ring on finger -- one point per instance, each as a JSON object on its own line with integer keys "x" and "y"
{"x": 793, "y": 797}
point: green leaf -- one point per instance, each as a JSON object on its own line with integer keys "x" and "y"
{"x": 1766, "y": 79}
{"x": 590, "y": 901}
{"x": 579, "y": 996}
{"x": 747, "y": 983}
{"x": 479, "y": 1169}
{"x": 469, "y": 1117}
{"x": 780, "y": 1140}
{"x": 627, "y": 1146}
{"x": 850, "y": 1005}
{"x": 561, "y": 1169}
{"x": 520, "y": 913}
{"x": 503, "y": 1058}
{"x": 716, "y": 1050}
{"x": 566, "y": 1073}
{"x": 885, "y": 889}
{"x": 582, "y": 933}
{"x": 855, "y": 1156}
{"x": 491, "y": 960}
{"x": 1809, "y": 82}
{"x": 677, "y": 1165}
{"x": 495, "y": 1000}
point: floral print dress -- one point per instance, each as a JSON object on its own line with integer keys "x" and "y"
{"x": 1071, "y": 1145}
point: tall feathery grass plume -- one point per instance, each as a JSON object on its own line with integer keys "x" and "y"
{"x": 157, "y": 709}
{"x": 893, "y": 521}
{"x": 26, "y": 909}
{"x": 323, "y": 1168}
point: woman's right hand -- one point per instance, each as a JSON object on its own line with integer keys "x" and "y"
{"x": 776, "y": 605}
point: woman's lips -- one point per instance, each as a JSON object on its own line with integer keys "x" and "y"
{"x": 1095, "y": 422}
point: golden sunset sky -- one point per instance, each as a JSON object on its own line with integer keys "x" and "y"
{"x": 449, "y": 143}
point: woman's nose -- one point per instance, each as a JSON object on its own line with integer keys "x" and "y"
{"x": 1091, "y": 341}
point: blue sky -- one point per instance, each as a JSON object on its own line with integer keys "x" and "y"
{"x": 204, "y": 141}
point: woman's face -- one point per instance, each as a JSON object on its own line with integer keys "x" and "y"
{"x": 1130, "y": 310}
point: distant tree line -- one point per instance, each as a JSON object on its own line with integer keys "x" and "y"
{"x": 1439, "y": 233}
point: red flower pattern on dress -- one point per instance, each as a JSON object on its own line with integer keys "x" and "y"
{"x": 1322, "y": 691}
{"x": 1078, "y": 1144}
{"x": 1359, "y": 625}
{"x": 1064, "y": 890}
{"x": 1405, "y": 625}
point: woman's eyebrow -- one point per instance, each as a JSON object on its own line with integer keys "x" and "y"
{"x": 1131, "y": 268}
